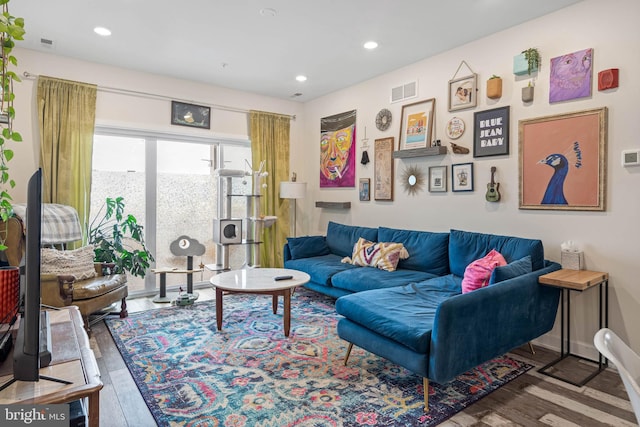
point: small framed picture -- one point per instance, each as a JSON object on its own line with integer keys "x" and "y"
{"x": 463, "y": 93}
{"x": 416, "y": 125}
{"x": 438, "y": 179}
{"x": 191, "y": 115}
{"x": 462, "y": 177}
{"x": 491, "y": 132}
{"x": 364, "y": 189}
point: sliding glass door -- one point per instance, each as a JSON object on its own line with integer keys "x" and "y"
{"x": 169, "y": 184}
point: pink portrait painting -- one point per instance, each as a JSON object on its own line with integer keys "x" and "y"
{"x": 561, "y": 161}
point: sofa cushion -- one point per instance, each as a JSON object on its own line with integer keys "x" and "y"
{"x": 382, "y": 255}
{"x": 428, "y": 251}
{"x": 341, "y": 238}
{"x": 77, "y": 262}
{"x": 404, "y": 314}
{"x": 477, "y": 274}
{"x": 511, "y": 270}
{"x": 321, "y": 268}
{"x": 465, "y": 247}
{"x": 307, "y": 246}
{"x": 364, "y": 279}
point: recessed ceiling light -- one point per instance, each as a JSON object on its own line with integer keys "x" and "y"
{"x": 301, "y": 78}
{"x": 102, "y": 31}
{"x": 370, "y": 45}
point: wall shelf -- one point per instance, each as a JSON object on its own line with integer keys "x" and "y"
{"x": 420, "y": 152}
{"x": 334, "y": 205}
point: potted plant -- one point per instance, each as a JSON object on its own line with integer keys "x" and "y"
{"x": 111, "y": 236}
{"x": 527, "y": 62}
{"x": 527, "y": 92}
{"x": 494, "y": 87}
{"x": 11, "y": 29}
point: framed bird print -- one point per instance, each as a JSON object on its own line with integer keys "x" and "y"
{"x": 563, "y": 161}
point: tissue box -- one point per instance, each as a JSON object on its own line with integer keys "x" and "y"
{"x": 572, "y": 260}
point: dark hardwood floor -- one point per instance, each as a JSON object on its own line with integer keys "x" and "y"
{"x": 532, "y": 399}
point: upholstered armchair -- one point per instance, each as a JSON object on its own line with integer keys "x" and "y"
{"x": 68, "y": 277}
{"x": 90, "y": 295}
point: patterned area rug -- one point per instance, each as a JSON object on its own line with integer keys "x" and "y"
{"x": 250, "y": 375}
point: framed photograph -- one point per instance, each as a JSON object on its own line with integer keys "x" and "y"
{"x": 383, "y": 169}
{"x": 416, "y": 125}
{"x": 463, "y": 92}
{"x": 462, "y": 177}
{"x": 191, "y": 115}
{"x": 491, "y": 132}
{"x": 563, "y": 161}
{"x": 437, "y": 179}
{"x": 363, "y": 189}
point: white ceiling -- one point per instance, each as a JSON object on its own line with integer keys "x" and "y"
{"x": 230, "y": 43}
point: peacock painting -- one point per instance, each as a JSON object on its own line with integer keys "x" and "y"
{"x": 554, "y": 194}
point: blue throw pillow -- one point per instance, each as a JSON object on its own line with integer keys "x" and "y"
{"x": 511, "y": 270}
{"x": 307, "y": 246}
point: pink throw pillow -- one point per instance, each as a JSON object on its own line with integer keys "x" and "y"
{"x": 477, "y": 274}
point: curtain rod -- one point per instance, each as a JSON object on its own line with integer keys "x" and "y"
{"x": 108, "y": 89}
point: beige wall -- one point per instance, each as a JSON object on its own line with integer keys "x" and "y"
{"x": 609, "y": 239}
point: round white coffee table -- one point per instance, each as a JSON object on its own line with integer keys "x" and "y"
{"x": 259, "y": 281}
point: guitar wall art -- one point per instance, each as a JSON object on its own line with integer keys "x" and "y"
{"x": 493, "y": 188}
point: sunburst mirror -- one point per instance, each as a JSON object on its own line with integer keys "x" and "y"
{"x": 412, "y": 179}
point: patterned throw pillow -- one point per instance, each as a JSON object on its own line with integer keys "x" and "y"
{"x": 382, "y": 255}
{"x": 76, "y": 262}
{"x": 477, "y": 274}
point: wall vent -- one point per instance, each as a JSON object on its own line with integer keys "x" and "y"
{"x": 405, "y": 91}
{"x": 46, "y": 42}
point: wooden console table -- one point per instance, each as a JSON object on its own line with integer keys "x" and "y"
{"x": 72, "y": 360}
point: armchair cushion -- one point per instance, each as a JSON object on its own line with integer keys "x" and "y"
{"x": 77, "y": 262}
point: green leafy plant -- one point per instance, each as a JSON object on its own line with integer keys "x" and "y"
{"x": 532, "y": 55}
{"x": 493, "y": 76}
{"x": 11, "y": 29}
{"x": 111, "y": 235}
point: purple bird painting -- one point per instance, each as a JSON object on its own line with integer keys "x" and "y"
{"x": 554, "y": 194}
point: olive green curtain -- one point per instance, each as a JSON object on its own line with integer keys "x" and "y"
{"x": 66, "y": 114}
{"x": 270, "y": 142}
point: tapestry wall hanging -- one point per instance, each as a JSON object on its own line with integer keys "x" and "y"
{"x": 338, "y": 150}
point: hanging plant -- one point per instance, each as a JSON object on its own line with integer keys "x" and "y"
{"x": 11, "y": 29}
{"x": 533, "y": 59}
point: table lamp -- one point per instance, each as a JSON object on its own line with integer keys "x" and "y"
{"x": 293, "y": 190}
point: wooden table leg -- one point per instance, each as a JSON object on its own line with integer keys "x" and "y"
{"x": 94, "y": 409}
{"x": 287, "y": 312}
{"x": 275, "y": 303}
{"x": 219, "y": 308}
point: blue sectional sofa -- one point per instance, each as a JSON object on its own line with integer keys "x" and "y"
{"x": 417, "y": 315}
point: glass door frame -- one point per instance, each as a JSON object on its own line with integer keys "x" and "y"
{"x": 150, "y": 139}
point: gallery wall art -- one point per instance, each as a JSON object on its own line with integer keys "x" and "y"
{"x": 563, "y": 161}
{"x": 338, "y": 150}
{"x": 570, "y": 76}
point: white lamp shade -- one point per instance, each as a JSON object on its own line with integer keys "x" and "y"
{"x": 292, "y": 190}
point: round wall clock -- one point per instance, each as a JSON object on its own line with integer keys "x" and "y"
{"x": 383, "y": 119}
{"x": 455, "y": 128}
